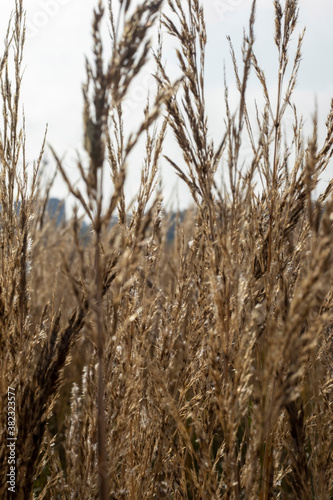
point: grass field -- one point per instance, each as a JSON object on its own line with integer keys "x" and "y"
{"x": 135, "y": 366}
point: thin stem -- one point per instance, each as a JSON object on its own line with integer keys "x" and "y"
{"x": 101, "y": 439}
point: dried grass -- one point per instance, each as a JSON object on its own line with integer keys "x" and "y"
{"x": 199, "y": 368}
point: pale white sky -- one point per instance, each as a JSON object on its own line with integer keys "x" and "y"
{"x": 58, "y": 38}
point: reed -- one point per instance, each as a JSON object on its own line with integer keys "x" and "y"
{"x": 196, "y": 368}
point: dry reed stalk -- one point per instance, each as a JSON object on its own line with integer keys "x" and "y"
{"x": 198, "y": 367}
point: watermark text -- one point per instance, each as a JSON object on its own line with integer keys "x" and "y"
{"x": 11, "y": 439}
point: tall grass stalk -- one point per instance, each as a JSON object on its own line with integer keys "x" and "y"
{"x": 147, "y": 362}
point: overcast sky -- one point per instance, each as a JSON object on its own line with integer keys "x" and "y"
{"x": 58, "y": 38}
